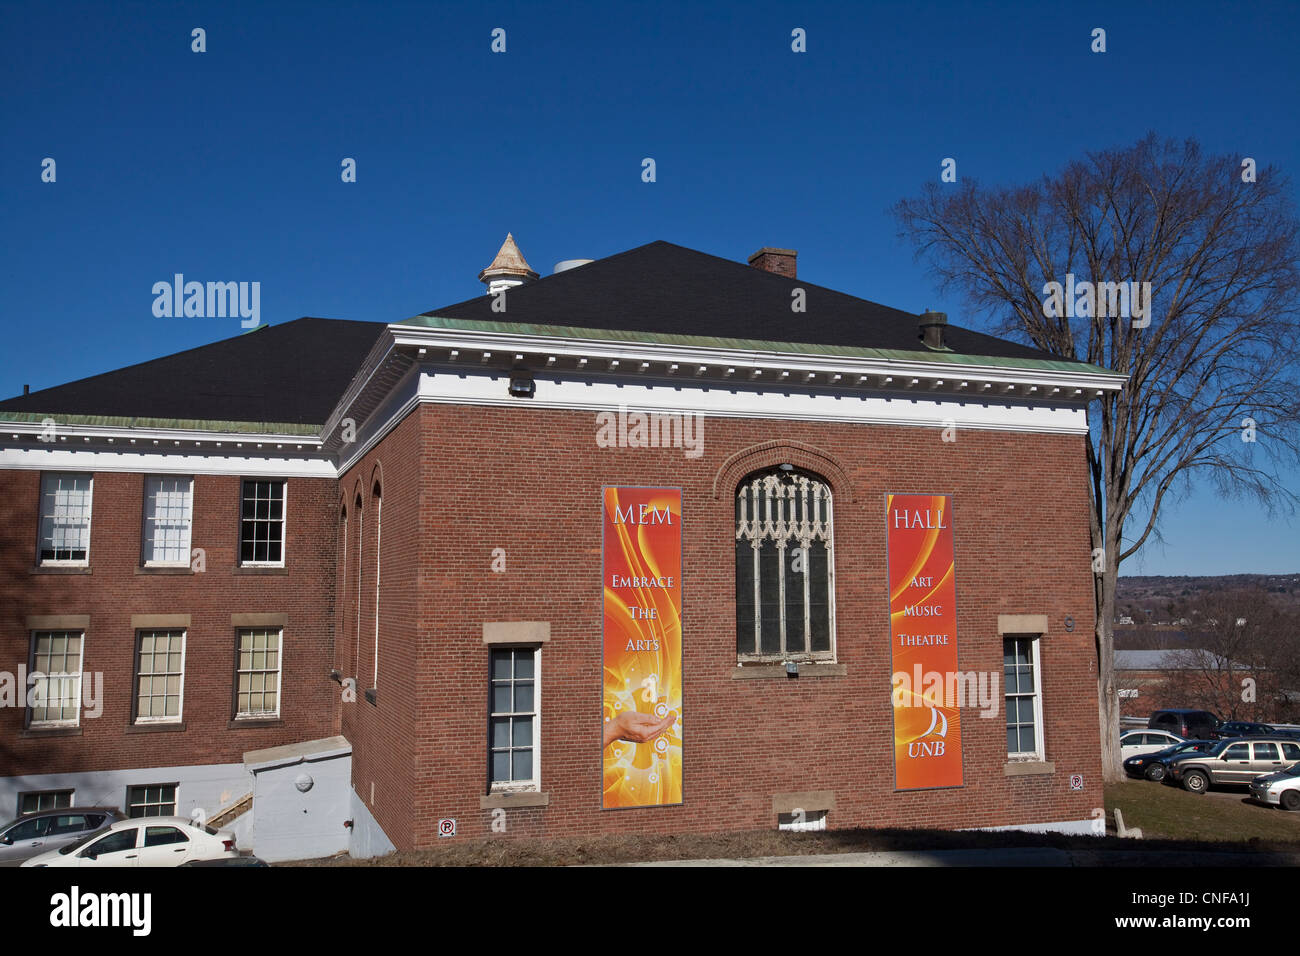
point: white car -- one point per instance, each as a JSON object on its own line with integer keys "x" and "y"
{"x": 144, "y": 841}
{"x": 1278, "y": 789}
{"x": 1138, "y": 742}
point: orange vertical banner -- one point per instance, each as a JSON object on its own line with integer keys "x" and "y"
{"x": 642, "y": 636}
{"x": 923, "y": 636}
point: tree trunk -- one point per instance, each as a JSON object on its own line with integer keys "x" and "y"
{"x": 1112, "y": 769}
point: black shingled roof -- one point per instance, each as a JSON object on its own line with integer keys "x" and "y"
{"x": 293, "y": 373}
{"x": 296, "y": 372}
{"x": 669, "y": 289}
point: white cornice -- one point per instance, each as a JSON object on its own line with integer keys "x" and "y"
{"x": 170, "y": 462}
{"x": 716, "y": 360}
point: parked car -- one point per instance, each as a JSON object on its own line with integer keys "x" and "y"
{"x": 36, "y": 833}
{"x": 1234, "y": 761}
{"x": 1137, "y": 742}
{"x": 1188, "y": 724}
{"x": 1279, "y": 789}
{"x": 1247, "y": 728}
{"x": 144, "y": 841}
{"x": 1154, "y": 766}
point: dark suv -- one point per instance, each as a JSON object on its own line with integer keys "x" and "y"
{"x": 35, "y": 833}
{"x": 1190, "y": 724}
{"x": 1245, "y": 728}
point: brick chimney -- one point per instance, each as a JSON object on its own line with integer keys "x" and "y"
{"x": 780, "y": 261}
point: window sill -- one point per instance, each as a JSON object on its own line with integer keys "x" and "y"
{"x": 37, "y": 732}
{"x": 252, "y": 723}
{"x": 255, "y": 570}
{"x": 516, "y": 800}
{"x": 1025, "y": 768}
{"x": 161, "y": 727}
{"x": 777, "y": 671}
{"x": 61, "y": 569}
{"x": 164, "y": 569}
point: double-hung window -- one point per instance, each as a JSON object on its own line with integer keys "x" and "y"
{"x": 261, "y": 523}
{"x": 160, "y": 678}
{"x": 65, "y": 519}
{"x": 514, "y": 722}
{"x": 168, "y": 516}
{"x": 1021, "y": 673}
{"x": 257, "y": 681}
{"x": 785, "y": 568}
{"x": 56, "y": 672}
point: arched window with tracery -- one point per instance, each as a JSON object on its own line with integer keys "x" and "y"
{"x": 785, "y": 567}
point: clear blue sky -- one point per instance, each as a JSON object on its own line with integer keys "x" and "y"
{"x": 225, "y": 165}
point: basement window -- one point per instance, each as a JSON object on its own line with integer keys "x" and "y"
{"x": 802, "y": 821}
{"x": 37, "y": 801}
{"x": 151, "y": 800}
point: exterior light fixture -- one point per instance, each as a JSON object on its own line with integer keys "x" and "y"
{"x": 791, "y": 668}
{"x": 786, "y": 466}
{"x": 522, "y": 385}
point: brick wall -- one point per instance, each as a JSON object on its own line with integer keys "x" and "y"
{"x": 383, "y": 733}
{"x": 457, "y": 482}
{"x": 528, "y": 480}
{"x": 116, "y": 588}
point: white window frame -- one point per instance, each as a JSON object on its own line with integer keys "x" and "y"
{"x": 534, "y": 784}
{"x": 279, "y": 675}
{"x": 33, "y": 637}
{"x": 151, "y": 525}
{"x": 42, "y": 561}
{"x": 175, "y": 801}
{"x": 180, "y": 706}
{"x": 72, "y": 800}
{"x": 1035, "y": 644}
{"x": 284, "y": 524}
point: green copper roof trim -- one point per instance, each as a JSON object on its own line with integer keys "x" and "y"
{"x": 753, "y": 345}
{"x": 181, "y": 424}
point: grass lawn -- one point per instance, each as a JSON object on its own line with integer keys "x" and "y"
{"x": 1223, "y": 814}
{"x": 1169, "y": 818}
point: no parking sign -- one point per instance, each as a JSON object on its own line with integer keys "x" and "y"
{"x": 447, "y": 827}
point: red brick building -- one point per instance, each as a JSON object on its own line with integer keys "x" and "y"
{"x": 382, "y": 546}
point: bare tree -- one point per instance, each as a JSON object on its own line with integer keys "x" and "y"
{"x": 1211, "y": 359}
{"x": 1241, "y": 656}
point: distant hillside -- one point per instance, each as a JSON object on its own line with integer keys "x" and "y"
{"x": 1151, "y": 598}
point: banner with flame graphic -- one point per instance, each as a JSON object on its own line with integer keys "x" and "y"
{"x": 642, "y": 585}
{"x": 923, "y": 635}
